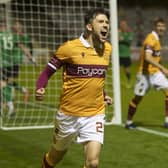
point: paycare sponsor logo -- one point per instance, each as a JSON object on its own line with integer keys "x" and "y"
{"x": 91, "y": 71}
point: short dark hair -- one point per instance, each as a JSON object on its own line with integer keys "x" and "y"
{"x": 92, "y": 13}
{"x": 158, "y": 20}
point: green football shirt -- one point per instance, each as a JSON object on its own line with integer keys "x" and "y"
{"x": 125, "y": 44}
{"x": 17, "y": 52}
{"x": 8, "y": 93}
{"x": 6, "y": 49}
{"x": 10, "y": 52}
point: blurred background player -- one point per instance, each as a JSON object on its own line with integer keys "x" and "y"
{"x": 125, "y": 39}
{"x": 6, "y": 45}
{"x": 23, "y": 47}
{"x": 13, "y": 46}
{"x": 82, "y": 108}
{"x": 150, "y": 72}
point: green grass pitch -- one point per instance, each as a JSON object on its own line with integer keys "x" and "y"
{"x": 122, "y": 148}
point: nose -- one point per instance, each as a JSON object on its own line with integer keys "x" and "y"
{"x": 105, "y": 25}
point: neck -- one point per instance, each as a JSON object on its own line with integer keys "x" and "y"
{"x": 95, "y": 43}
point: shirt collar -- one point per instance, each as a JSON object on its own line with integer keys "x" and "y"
{"x": 84, "y": 41}
{"x": 155, "y": 34}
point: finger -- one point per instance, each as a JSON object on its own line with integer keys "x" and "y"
{"x": 39, "y": 97}
{"x": 108, "y": 102}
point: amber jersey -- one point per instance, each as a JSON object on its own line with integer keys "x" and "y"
{"x": 83, "y": 77}
{"x": 151, "y": 44}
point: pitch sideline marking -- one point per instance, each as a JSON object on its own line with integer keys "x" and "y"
{"x": 150, "y": 131}
{"x": 146, "y": 130}
{"x": 39, "y": 105}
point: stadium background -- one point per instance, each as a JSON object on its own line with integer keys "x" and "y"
{"x": 134, "y": 11}
{"x": 123, "y": 149}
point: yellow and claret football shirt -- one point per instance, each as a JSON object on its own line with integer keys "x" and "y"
{"x": 152, "y": 45}
{"x": 83, "y": 77}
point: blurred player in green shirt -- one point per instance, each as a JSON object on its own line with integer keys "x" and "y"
{"x": 13, "y": 45}
{"x": 125, "y": 39}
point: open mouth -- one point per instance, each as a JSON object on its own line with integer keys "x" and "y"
{"x": 103, "y": 33}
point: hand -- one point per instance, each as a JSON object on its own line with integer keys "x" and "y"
{"x": 32, "y": 59}
{"x": 108, "y": 100}
{"x": 40, "y": 94}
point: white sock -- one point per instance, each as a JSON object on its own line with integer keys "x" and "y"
{"x": 129, "y": 122}
{"x": 166, "y": 119}
{"x": 11, "y": 107}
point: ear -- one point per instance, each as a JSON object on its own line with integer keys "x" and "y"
{"x": 89, "y": 27}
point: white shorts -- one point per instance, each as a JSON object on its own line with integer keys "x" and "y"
{"x": 82, "y": 129}
{"x": 144, "y": 82}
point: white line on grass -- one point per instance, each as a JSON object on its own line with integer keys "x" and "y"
{"x": 147, "y": 130}
{"x": 39, "y": 105}
{"x": 150, "y": 131}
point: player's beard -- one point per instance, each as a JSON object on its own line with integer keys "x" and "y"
{"x": 98, "y": 38}
{"x": 98, "y": 44}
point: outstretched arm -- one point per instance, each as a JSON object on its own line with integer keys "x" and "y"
{"x": 149, "y": 58}
{"x": 42, "y": 82}
{"x": 26, "y": 51}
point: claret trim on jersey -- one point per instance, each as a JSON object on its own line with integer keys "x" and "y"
{"x": 86, "y": 71}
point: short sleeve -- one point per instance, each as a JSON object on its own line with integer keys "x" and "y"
{"x": 149, "y": 43}
{"x": 63, "y": 52}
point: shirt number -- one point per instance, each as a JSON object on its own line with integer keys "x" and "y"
{"x": 99, "y": 127}
{"x": 8, "y": 43}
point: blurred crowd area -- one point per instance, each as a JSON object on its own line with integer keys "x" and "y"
{"x": 140, "y": 16}
{"x": 51, "y": 22}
